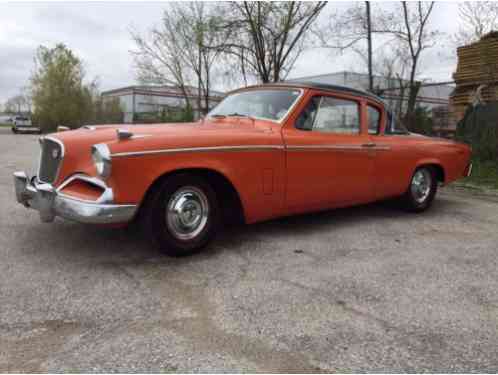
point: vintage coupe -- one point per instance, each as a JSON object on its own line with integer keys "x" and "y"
{"x": 265, "y": 151}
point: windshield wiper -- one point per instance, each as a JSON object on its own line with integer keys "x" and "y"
{"x": 235, "y": 114}
{"x": 240, "y": 115}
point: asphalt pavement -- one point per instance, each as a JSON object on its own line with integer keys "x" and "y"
{"x": 363, "y": 289}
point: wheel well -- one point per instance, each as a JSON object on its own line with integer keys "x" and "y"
{"x": 438, "y": 169}
{"x": 228, "y": 197}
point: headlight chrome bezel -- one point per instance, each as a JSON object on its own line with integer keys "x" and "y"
{"x": 102, "y": 159}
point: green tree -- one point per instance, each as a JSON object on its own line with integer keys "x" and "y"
{"x": 422, "y": 123}
{"x": 106, "y": 111}
{"x": 60, "y": 96}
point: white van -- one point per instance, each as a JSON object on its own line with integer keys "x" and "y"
{"x": 23, "y": 124}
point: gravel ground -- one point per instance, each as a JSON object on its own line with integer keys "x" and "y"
{"x": 364, "y": 289}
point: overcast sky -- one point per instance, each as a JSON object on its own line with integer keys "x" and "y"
{"x": 99, "y": 34}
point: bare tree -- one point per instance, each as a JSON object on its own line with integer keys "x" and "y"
{"x": 409, "y": 24}
{"x": 405, "y": 30}
{"x": 159, "y": 58}
{"x": 266, "y": 38}
{"x": 352, "y": 29}
{"x": 392, "y": 66}
{"x": 200, "y": 30}
{"x": 369, "y": 43}
{"x": 16, "y": 104}
{"x": 477, "y": 18}
{"x": 179, "y": 52}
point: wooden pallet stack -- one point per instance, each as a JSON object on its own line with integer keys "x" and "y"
{"x": 477, "y": 65}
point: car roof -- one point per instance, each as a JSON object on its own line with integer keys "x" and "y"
{"x": 320, "y": 86}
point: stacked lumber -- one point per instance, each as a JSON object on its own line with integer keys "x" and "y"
{"x": 477, "y": 65}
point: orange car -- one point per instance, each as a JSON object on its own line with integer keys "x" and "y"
{"x": 265, "y": 151}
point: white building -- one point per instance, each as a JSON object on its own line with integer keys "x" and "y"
{"x": 139, "y": 100}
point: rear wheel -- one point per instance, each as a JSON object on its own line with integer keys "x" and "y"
{"x": 181, "y": 215}
{"x": 422, "y": 190}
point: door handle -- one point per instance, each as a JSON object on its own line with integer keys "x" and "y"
{"x": 369, "y": 145}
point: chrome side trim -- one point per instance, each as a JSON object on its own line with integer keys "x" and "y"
{"x": 382, "y": 147}
{"x": 326, "y": 147}
{"x": 336, "y": 147}
{"x": 249, "y": 148}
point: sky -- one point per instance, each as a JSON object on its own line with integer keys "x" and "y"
{"x": 99, "y": 33}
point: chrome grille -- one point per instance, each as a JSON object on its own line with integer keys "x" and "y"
{"x": 52, "y": 153}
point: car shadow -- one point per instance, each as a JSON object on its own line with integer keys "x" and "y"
{"x": 128, "y": 246}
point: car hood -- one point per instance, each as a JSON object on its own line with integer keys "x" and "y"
{"x": 217, "y": 132}
{"x": 144, "y": 137}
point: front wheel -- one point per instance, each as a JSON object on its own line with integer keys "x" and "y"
{"x": 14, "y": 130}
{"x": 181, "y": 215}
{"x": 422, "y": 190}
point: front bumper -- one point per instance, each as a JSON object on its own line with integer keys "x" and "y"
{"x": 49, "y": 202}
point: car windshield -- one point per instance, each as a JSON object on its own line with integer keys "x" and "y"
{"x": 264, "y": 104}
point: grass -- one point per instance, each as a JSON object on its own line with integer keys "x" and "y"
{"x": 5, "y": 125}
{"x": 484, "y": 173}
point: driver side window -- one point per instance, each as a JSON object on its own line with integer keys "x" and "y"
{"x": 330, "y": 115}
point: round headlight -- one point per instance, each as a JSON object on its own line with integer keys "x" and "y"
{"x": 102, "y": 159}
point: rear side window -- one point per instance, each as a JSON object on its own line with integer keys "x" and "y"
{"x": 330, "y": 115}
{"x": 373, "y": 120}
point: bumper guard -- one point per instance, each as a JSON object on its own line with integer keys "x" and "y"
{"x": 50, "y": 203}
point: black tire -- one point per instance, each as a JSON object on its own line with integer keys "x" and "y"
{"x": 413, "y": 199}
{"x": 159, "y": 226}
{"x": 14, "y": 130}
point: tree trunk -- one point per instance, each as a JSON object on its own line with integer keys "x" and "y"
{"x": 369, "y": 39}
{"x": 199, "y": 80}
{"x": 207, "y": 93}
{"x": 412, "y": 101}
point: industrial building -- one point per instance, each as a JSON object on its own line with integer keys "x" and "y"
{"x": 138, "y": 101}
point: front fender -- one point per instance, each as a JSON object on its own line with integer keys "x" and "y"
{"x": 132, "y": 176}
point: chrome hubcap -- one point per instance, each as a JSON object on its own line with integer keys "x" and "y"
{"x": 187, "y": 213}
{"x": 421, "y": 185}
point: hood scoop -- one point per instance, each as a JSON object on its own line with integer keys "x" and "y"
{"x": 123, "y": 134}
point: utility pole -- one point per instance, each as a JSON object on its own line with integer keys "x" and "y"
{"x": 369, "y": 39}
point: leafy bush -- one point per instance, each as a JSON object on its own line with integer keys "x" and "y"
{"x": 478, "y": 128}
{"x": 165, "y": 116}
{"x": 423, "y": 121}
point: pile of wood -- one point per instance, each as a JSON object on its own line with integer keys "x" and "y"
{"x": 477, "y": 66}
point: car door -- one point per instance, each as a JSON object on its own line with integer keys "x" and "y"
{"x": 394, "y": 157}
{"x": 328, "y": 158}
